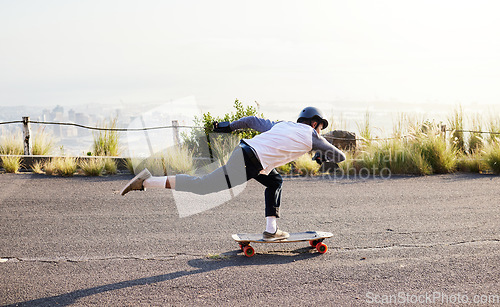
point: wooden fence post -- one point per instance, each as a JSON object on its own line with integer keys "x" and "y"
{"x": 175, "y": 125}
{"x": 26, "y": 135}
{"x": 443, "y": 131}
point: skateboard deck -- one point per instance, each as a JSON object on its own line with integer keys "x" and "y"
{"x": 315, "y": 239}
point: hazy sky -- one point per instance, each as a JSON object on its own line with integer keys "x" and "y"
{"x": 123, "y": 51}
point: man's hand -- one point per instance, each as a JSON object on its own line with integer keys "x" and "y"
{"x": 222, "y": 127}
{"x": 318, "y": 157}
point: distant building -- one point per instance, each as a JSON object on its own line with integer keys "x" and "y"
{"x": 82, "y": 119}
{"x": 58, "y": 117}
{"x": 46, "y": 115}
{"x": 58, "y": 109}
{"x": 71, "y": 115}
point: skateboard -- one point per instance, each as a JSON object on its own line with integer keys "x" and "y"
{"x": 315, "y": 239}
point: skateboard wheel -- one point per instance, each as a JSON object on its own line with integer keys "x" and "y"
{"x": 248, "y": 251}
{"x": 313, "y": 243}
{"x": 241, "y": 246}
{"x": 321, "y": 248}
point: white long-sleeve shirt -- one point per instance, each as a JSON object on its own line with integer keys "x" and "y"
{"x": 283, "y": 142}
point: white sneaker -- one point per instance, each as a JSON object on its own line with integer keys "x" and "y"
{"x": 278, "y": 235}
{"x": 136, "y": 184}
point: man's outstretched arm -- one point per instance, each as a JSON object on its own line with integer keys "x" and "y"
{"x": 249, "y": 122}
{"x": 329, "y": 153}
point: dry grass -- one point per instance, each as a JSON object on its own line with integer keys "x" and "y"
{"x": 285, "y": 169}
{"x": 306, "y": 166}
{"x": 106, "y": 143}
{"x": 37, "y": 167}
{"x": 92, "y": 167}
{"x": 471, "y": 163}
{"x": 223, "y": 146}
{"x": 129, "y": 163}
{"x": 456, "y": 122}
{"x": 43, "y": 143}
{"x": 178, "y": 160}
{"x": 11, "y": 143}
{"x": 492, "y": 157}
{"x": 110, "y": 166}
{"x": 11, "y": 164}
{"x": 63, "y": 166}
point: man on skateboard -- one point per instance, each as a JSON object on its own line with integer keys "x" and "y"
{"x": 278, "y": 144}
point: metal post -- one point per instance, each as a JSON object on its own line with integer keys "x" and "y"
{"x": 175, "y": 125}
{"x": 443, "y": 131}
{"x": 26, "y": 135}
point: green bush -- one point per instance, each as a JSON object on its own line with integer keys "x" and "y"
{"x": 198, "y": 137}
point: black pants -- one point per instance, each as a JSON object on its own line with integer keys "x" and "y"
{"x": 240, "y": 168}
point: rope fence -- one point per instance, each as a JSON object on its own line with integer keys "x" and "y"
{"x": 98, "y": 128}
{"x": 175, "y": 126}
{"x": 200, "y": 127}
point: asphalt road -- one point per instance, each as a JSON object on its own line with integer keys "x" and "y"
{"x": 74, "y": 241}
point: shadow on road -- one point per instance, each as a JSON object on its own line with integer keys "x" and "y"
{"x": 201, "y": 265}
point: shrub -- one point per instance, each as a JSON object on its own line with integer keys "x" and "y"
{"x": 471, "y": 163}
{"x": 65, "y": 166}
{"x": 196, "y": 140}
{"x": 106, "y": 143}
{"x": 348, "y": 166}
{"x": 50, "y": 167}
{"x": 11, "y": 144}
{"x": 435, "y": 151}
{"x": 475, "y": 138}
{"x": 492, "y": 157}
{"x": 129, "y": 164}
{"x": 110, "y": 166}
{"x": 398, "y": 156}
{"x": 155, "y": 164}
{"x": 178, "y": 160}
{"x": 43, "y": 144}
{"x": 223, "y": 146}
{"x": 285, "y": 169}
{"x": 37, "y": 167}
{"x": 11, "y": 164}
{"x": 365, "y": 129}
{"x": 456, "y": 122}
{"x": 494, "y": 126}
{"x": 92, "y": 167}
{"x": 306, "y": 166}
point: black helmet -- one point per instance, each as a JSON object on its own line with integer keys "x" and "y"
{"x": 313, "y": 113}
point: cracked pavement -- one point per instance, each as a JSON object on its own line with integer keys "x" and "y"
{"x": 74, "y": 241}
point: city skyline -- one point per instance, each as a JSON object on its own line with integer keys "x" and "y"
{"x": 117, "y": 52}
